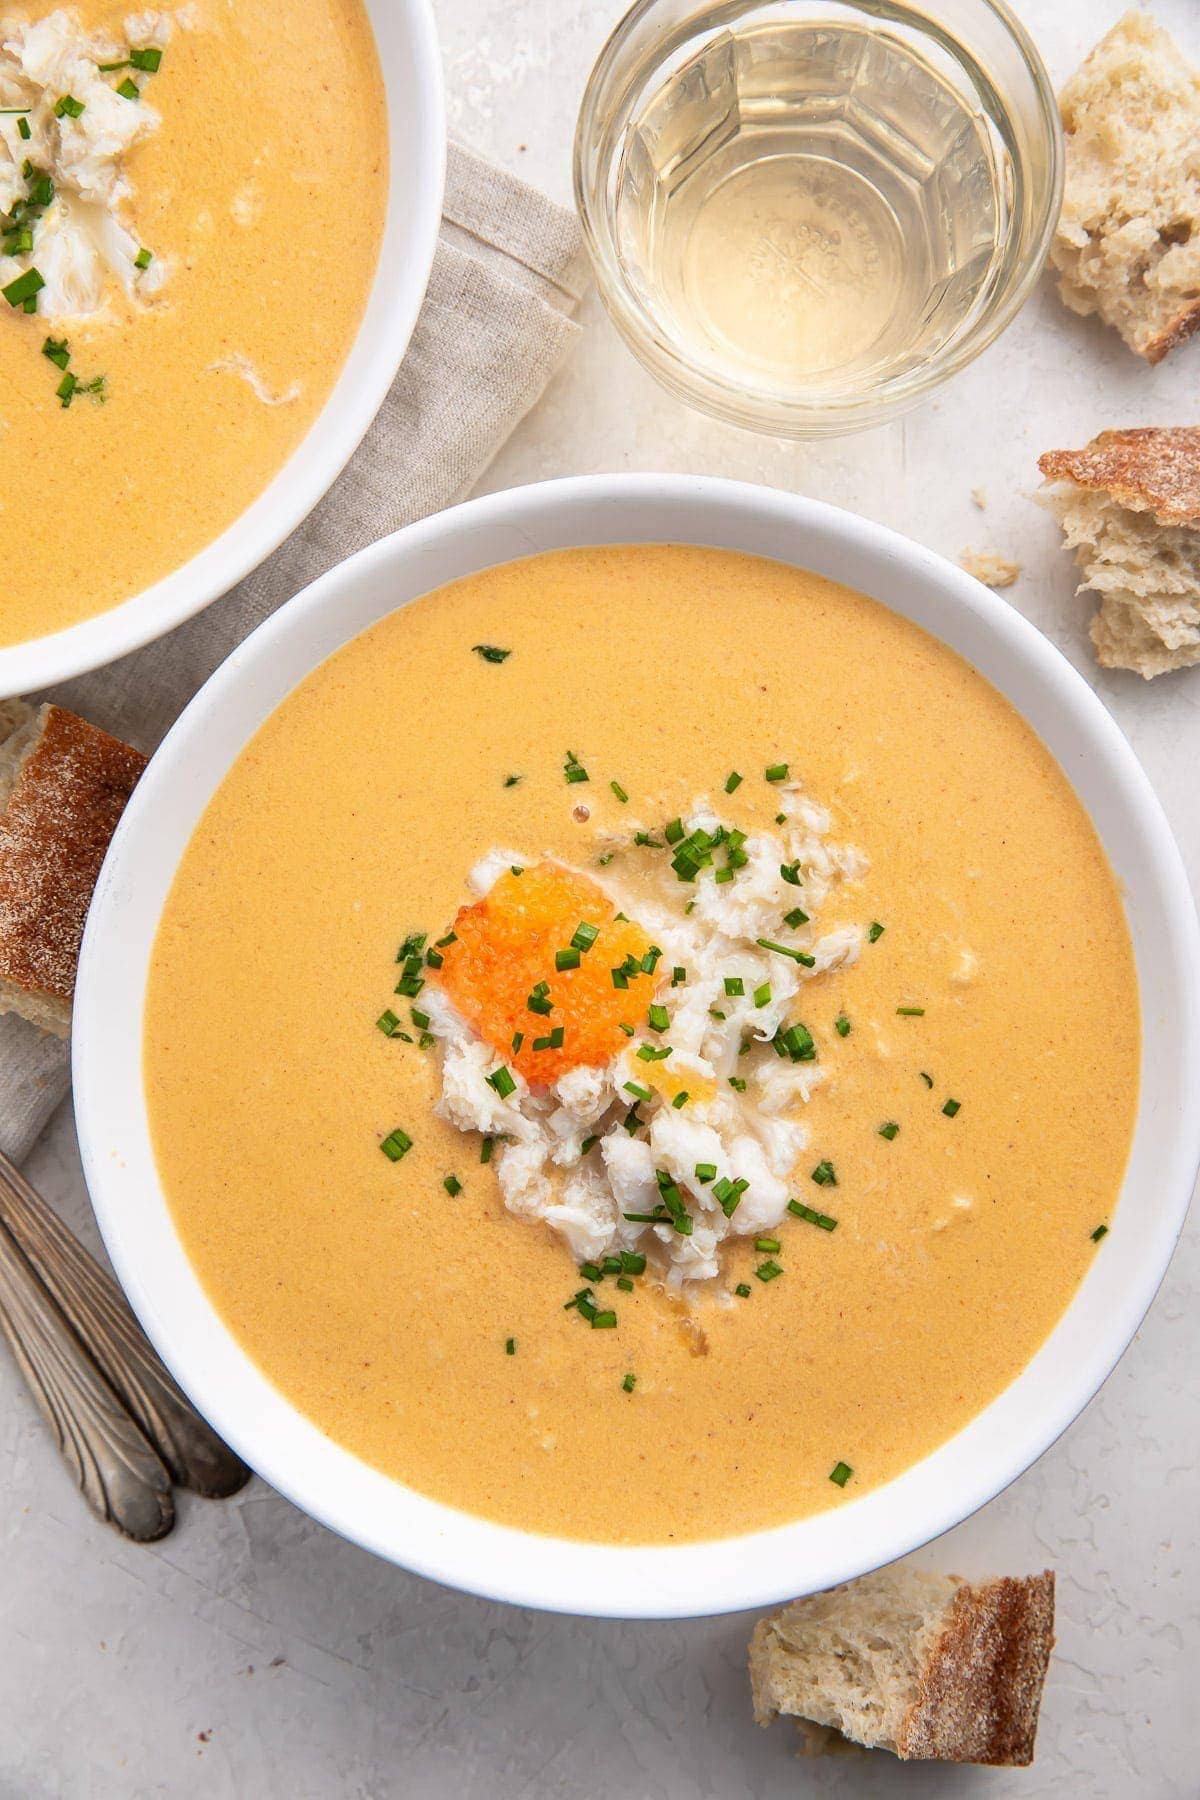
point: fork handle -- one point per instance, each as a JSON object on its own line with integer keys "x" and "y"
{"x": 120, "y": 1475}
{"x": 98, "y": 1313}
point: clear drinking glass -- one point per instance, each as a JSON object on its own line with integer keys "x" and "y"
{"x": 804, "y": 215}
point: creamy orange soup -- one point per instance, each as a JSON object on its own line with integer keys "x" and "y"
{"x": 259, "y": 197}
{"x": 430, "y": 1331}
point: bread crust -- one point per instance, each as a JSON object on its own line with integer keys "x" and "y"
{"x": 982, "y": 1680}
{"x": 1177, "y": 332}
{"x": 1150, "y": 468}
{"x": 68, "y": 783}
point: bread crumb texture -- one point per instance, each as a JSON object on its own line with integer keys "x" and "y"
{"x": 63, "y": 787}
{"x": 1129, "y": 506}
{"x": 927, "y": 1666}
{"x": 985, "y": 565}
{"x": 1128, "y": 240}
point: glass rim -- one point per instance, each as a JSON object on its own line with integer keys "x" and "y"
{"x": 810, "y": 415}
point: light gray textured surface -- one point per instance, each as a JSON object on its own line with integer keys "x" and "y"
{"x": 253, "y": 1654}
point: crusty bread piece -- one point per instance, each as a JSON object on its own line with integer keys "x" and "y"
{"x": 1129, "y": 506}
{"x": 63, "y": 786}
{"x": 923, "y": 1665}
{"x": 1127, "y": 244}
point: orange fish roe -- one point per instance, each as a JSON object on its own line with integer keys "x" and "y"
{"x": 505, "y": 946}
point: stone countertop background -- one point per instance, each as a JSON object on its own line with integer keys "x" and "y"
{"x": 252, "y": 1653}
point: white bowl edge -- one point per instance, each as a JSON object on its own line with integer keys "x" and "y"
{"x": 410, "y": 58}
{"x": 464, "y": 1551}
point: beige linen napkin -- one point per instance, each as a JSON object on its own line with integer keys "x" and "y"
{"x": 495, "y": 324}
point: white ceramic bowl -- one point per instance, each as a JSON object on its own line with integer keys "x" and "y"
{"x": 412, "y": 76}
{"x": 467, "y": 1552}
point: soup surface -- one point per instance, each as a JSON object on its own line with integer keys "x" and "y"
{"x": 256, "y": 185}
{"x": 993, "y": 1021}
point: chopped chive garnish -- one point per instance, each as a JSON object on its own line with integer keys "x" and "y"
{"x": 714, "y": 1012}
{"x": 23, "y": 130}
{"x": 518, "y": 1038}
{"x": 777, "y": 772}
{"x": 639, "y": 1093}
{"x": 413, "y": 944}
{"x": 796, "y": 917}
{"x": 624, "y": 1283}
{"x": 146, "y": 59}
{"x": 491, "y": 652}
{"x": 842, "y": 1026}
{"x": 68, "y": 107}
{"x": 768, "y": 1246}
{"x": 573, "y": 769}
{"x": 648, "y": 1053}
{"x": 875, "y": 932}
{"x": 734, "y": 985}
{"x": 66, "y": 388}
{"x": 678, "y": 976}
{"x": 651, "y": 959}
{"x": 434, "y": 959}
{"x": 736, "y": 1082}
{"x": 841, "y": 1473}
{"x": 762, "y": 994}
{"x": 453, "y": 1186}
{"x": 510, "y": 1346}
{"x": 629, "y": 1383}
{"x": 589, "y": 1143}
{"x": 799, "y": 956}
{"x": 1100, "y": 1231}
{"x": 396, "y": 1144}
{"x": 128, "y": 89}
{"x": 951, "y": 1107}
{"x": 798, "y": 1209}
{"x": 387, "y": 1022}
{"x": 659, "y": 1017}
{"x": 627, "y": 1029}
{"x": 791, "y": 872}
{"x": 619, "y": 791}
{"x": 501, "y": 1080}
{"x": 734, "y": 782}
{"x": 797, "y": 1043}
{"x": 512, "y": 780}
{"x": 539, "y": 1000}
{"x": 584, "y": 936}
{"x": 485, "y": 1150}
{"x": 566, "y": 959}
{"x": 767, "y": 1271}
{"x": 742, "y": 1290}
{"x": 662, "y": 1217}
{"x": 591, "y": 1271}
{"x": 681, "y": 1099}
{"x": 706, "y": 1172}
{"x": 24, "y": 287}
{"x": 824, "y": 1175}
{"x": 144, "y": 258}
{"x": 910, "y": 1012}
{"x": 927, "y": 1079}
{"x": 604, "y": 1321}
{"x": 553, "y": 1042}
{"x": 889, "y": 1130}
{"x": 674, "y": 831}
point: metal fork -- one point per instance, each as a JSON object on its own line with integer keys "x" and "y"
{"x": 126, "y": 1430}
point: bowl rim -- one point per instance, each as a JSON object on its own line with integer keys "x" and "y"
{"x": 412, "y": 72}
{"x": 821, "y": 416}
{"x": 438, "y": 1541}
